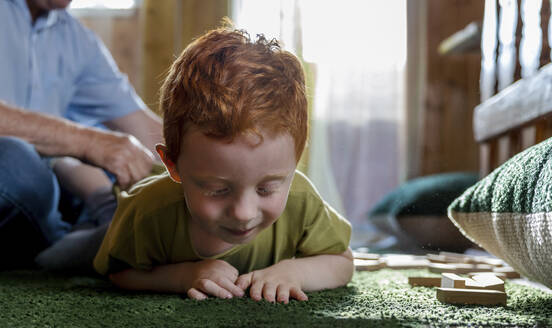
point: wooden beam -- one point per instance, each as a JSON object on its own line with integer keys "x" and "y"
{"x": 516, "y": 106}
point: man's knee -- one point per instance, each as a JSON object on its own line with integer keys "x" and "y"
{"x": 25, "y": 178}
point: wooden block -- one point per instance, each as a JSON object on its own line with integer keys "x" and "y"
{"x": 479, "y": 268}
{"x": 450, "y": 257}
{"x": 471, "y": 296}
{"x": 433, "y": 258}
{"x": 452, "y": 280}
{"x": 425, "y": 281}
{"x": 499, "y": 275}
{"x": 455, "y": 257}
{"x": 488, "y": 260}
{"x": 485, "y": 281}
{"x": 365, "y": 256}
{"x": 398, "y": 262}
{"x": 508, "y": 271}
{"x": 441, "y": 267}
{"x": 367, "y": 265}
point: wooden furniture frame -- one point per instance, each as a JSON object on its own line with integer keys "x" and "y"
{"x": 516, "y": 97}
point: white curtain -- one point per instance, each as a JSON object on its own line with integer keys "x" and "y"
{"x": 359, "y": 48}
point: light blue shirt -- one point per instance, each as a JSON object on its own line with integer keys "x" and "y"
{"x": 59, "y": 67}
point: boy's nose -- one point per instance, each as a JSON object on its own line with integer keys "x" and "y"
{"x": 244, "y": 208}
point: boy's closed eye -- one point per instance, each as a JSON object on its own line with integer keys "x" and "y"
{"x": 218, "y": 191}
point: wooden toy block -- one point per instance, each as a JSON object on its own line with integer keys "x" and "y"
{"x": 425, "y": 281}
{"x": 508, "y": 271}
{"x": 452, "y": 280}
{"x": 499, "y": 275}
{"x": 456, "y": 257}
{"x": 485, "y": 281}
{"x": 471, "y": 296}
{"x": 488, "y": 260}
{"x": 441, "y": 267}
{"x": 365, "y": 256}
{"x": 398, "y": 262}
{"x": 367, "y": 265}
{"x": 479, "y": 268}
{"x": 434, "y": 258}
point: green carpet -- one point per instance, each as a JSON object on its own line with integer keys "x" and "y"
{"x": 379, "y": 299}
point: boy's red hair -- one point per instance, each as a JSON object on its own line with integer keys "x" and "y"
{"x": 226, "y": 85}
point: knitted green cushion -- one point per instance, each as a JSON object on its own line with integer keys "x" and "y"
{"x": 509, "y": 212}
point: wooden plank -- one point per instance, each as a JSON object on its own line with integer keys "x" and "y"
{"x": 543, "y": 130}
{"x": 368, "y": 265}
{"x": 425, "y": 281}
{"x": 471, "y": 296}
{"x": 500, "y": 275}
{"x": 488, "y": 157}
{"x": 485, "y": 281}
{"x": 365, "y": 256}
{"x": 452, "y": 280}
{"x": 508, "y": 271}
{"x": 459, "y": 268}
{"x": 514, "y": 143}
{"x": 514, "y": 107}
{"x": 399, "y": 262}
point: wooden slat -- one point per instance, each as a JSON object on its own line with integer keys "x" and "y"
{"x": 543, "y": 130}
{"x": 516, "y": 106}
{"x": 514, "y": 142}
{"x": 517, "y": 72}
{"x": 488, "y": 157}
{"x": 545, "y": 19}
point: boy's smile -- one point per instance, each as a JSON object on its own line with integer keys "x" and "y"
{"x": 233, "y": 190}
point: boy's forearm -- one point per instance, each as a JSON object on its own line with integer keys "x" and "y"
{"x": 323, "y": 271}
{"x": 169, "y": 278}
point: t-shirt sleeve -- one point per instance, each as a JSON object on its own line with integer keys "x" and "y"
{"x": 134, "y": 240}
{"x": 102, "y": 92}
{"x": 325, "y": 231}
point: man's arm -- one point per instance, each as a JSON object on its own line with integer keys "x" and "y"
{"x": 143, "y": 124}
{"x": 290, "y": 278}
{"x": 119, "y": 153}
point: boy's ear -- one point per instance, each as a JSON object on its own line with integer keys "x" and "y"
{"x": 170, "y": 165}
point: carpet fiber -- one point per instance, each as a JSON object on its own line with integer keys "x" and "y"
{"x": 380, "y": 299}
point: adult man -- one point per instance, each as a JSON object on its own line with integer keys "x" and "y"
{"x": 57, "y": 82}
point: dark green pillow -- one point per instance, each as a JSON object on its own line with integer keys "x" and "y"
{"x": 428, "y": 195}
{"x": 509, "y": 212}
{"x": 424, "y": 201}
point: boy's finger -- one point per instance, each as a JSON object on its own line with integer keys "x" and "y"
{"x": 269, "y": 292}
{"x": 244, "y": 281}
{"x": 229, "y": 286}
{"x": 196, "y": 294}
{"x": 298, "y": 294}
{"x": 211, "y": 288}
{"x": 282, "y": 294}
{"x": 256, "y": 291}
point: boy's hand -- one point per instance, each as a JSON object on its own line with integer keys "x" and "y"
{"x": 213, "y": 277}
{"x": 275, "y": 283}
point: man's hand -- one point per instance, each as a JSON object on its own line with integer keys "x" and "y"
{"x": 278, "y": 282}
{"x": 213, "y": 277}
{"x": 121, "y": 154}
{"x": 116, "y": 152}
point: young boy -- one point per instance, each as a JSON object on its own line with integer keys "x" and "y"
{"x": 232, "y": 213}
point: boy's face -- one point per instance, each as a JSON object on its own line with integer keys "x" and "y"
{"x": 234, "y": 190}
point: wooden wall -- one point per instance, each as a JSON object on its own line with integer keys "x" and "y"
{"x": 452, "y": 91}
{"x": 122, "y": 37}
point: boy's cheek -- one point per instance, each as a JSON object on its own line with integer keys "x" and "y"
{"x": 276, "y": 208}
{"x": 200, "y": 208}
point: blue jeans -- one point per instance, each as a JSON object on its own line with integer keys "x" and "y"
{"x": 29, "y": 196}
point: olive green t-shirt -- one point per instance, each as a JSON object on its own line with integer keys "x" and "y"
{"x": 150, "y": 228}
